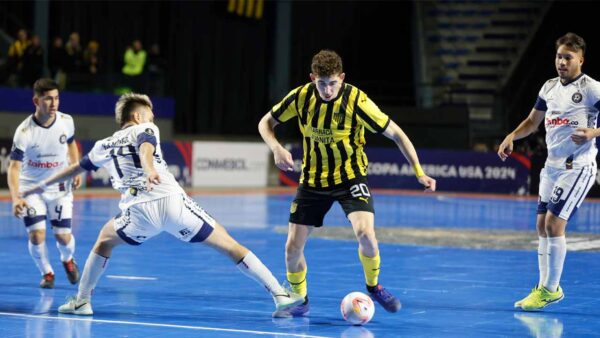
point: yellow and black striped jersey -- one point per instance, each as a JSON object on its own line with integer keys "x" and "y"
{"x": 334, "y": 132}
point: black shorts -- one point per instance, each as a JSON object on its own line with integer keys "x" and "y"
{"x": 311, "y": 204}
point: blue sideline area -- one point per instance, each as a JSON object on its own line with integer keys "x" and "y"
{"x": 19, "y": 100}
{"x": 166, "y": 288}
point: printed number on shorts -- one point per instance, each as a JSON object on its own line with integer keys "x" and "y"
{"x": 556, "y": 193}
{"x": 125, "y": 151}
{"x": 360, "y": 190}
{"x": 58, "y": 210}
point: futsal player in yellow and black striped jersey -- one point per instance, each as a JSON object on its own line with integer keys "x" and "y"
{"x": 332, "y": 116}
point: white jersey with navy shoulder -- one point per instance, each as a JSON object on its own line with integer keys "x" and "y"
{"x": 568, "y": 107}
{"x": 119, "y": 154}
{"x": 44, "y": 151}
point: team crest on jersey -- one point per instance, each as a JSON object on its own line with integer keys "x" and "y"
{"x": 577, "y": 97}
{"x": 339, "y": 117}
{"x": 62, "y": 139}
{"x": 149, "y": 131}
{"x": 31, "y": 212}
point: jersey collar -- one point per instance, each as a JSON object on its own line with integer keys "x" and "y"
{"x": 40, "y": 124}
{"x": 573, "y": 80}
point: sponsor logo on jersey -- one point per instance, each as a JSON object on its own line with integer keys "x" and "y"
{"x": 321, "y": 135}
{"x": 577, "y": 97}
{"x": 557, "y": 121}
{"x": 185, "y": 232}
{"x": 44, "y": 165}
{"x": 149, "y": 131}
{"x": 62, "y": 139}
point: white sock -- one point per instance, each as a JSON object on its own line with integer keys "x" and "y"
{"x": 543, "y": 259}
{"x": 66, "y": 251}
{"x": 557, "y": 250}
{"x": 252, "y": 267}
{"x": 93, "y": 270}
{"x": 39, "y": 253}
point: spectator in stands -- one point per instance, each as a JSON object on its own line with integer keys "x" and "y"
{"x": 15, "y": 56}
{"x": 33, "y": 62}
{"x": 135, "y": 60}
{"x": 57, "y": 61}
{"x": 91, "y": 63}
{"x": 74, "y": 60}
{"x": 155, "y": 70}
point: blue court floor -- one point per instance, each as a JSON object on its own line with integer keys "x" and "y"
{"x": 167, "y": 288}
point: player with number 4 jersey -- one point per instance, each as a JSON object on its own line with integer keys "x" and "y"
{"x": 332, "y": 117}
{"x": 151, "y": 202}
{"x": 568, "y": 106}
{"x": 44, "y": 144}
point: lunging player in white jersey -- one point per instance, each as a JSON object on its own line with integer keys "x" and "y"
{"x": 568, "y": 105}
{"x": 151, "y": 202}
{"x": 43, "y": 145}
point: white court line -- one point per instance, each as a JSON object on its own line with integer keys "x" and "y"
{"x": 201, "y": 328}
{"x": 131, "y": 277}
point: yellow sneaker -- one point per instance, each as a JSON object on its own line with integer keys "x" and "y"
{"x": 540, "y": 298}
{"x": 519, "y": 302}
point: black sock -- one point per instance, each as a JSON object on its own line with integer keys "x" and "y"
{"x": 371, "y": 288}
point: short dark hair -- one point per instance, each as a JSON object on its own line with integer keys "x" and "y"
{"x": 43, "y": 85}
{"x": 572, "y": 41}
{"x": 326, "y": 63}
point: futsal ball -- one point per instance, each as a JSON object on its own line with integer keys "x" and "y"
{"x": 357, "y": 308}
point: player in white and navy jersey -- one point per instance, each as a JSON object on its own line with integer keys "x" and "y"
{"x": 151, "y": 202}
{"x": 44, "y": 145}
{"x": 568, "y": 106}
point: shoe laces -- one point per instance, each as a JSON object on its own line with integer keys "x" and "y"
{"x": 49, "y": 277}
{"x": 382, "y": 293}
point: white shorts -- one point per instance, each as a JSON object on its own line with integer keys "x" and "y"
{"x": 177, "y": 214}
{"x": 562, "y": 190}
{"x": 58, "y": 206}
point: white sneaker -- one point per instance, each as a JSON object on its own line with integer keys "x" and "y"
{"x": 81, "y": 307}
{"x": 287, "y": 300}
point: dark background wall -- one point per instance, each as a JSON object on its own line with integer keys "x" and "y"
{"x": 220, "y": 63}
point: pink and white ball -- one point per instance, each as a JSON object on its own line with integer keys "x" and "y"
{"x": 357, "y": 308}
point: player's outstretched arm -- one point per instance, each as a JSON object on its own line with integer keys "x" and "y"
{"x": 528, "y": 126}
{"x": 73, "y": 170}
{"x": 395, "y": 133}
{"x": 266, "y": 128}
{"x": 147, "y": 159}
